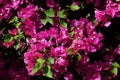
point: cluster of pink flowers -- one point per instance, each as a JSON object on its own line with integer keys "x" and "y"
{"x": 52, "y": 44}
{"x": 111, "y": 10}
{"x": 85, "y": 37}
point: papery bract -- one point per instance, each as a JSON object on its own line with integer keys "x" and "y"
{"x": 27, "y": 12}
{"x": 50, "y": 3}
{"x": 13, "y": 32}
{"x": 60, "y": 67}
{"x": 8, "y": 44}
{"x": 117, "y": 50}
{"x": 68, "y": 76}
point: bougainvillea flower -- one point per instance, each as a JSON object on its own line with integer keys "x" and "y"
{"x": 5, "y": 11}
{"x": 50, "y": 3}
{"x": 117, "y": 50}
{"x": 68, "y": 76}
{"x": 27, "y": 12}
{"x": 59, "y": 39}
{"x": 13, "y": 32}
{"x": 8, "y": 44}
{"x": 60, "y": 65}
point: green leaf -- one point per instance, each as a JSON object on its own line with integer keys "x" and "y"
{"x": 19, "y": 36}
{"x": 70, "y": 51}
{"x": 44, "y": 21}
{"x": 47, "y": 71}
{"x": 47, "y": 19}
{"x": 61, "y": 14}
{"x": 94, "y": 21}
{"x": 82, "y": 5}
{"x": 114, "y": 71}
{"x": 15, "y": 19}
{"x": 17, "y": 24}
{"x": 49, "y": 12}
{"x": 71, "y": 34}
{"x": 50, "y": 60}
{"x": 44, "y": 50}
{"x": 8, "y": 38}
{"x": 115, "y": 64}
{"x": 50, "y": 20}
{"x": 16, "y": 45}
{"x": 74, "y": 7}
{"x": 38, "y": 65}
{"x": 78, "y": 56}
{"x": 20, "y": 32}
{"x": 22, "y": 19}
{"x": 71, "y": 29}
{"x": 88, "y": 15}
{"x": 63, "y": 22}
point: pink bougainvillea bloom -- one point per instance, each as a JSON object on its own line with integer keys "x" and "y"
{"x": 68, "y": 76}
{"x": 60, "y": 65}
{"x": 96, "y": 76}
{"x": 75, "y": 23}
{"x": 8, "y": 44}
{"x": 90, "y": 27}
{"x": 5, "y": 11}
{"x": 3, "y": 2}
{"x": 59, "y": 52}
{"x": 13, "y": 31}
{"x": 100, "y": 15}
{"x": 53, "y": 32}
{"x": 96, "y": 3}
{"x": 28, "y": 11}
{"x": 79, "y": 45}
{"x": 28, "y": 57}
{"x": 29, "y": 68}
{"x": 107, "y": 24}
{"x": 117, "y": 50}
{"x": 50, "y": 3}
{"x": 38, "y": 55}
{"x": 28, "y": 26}
{"x": 63, "y": 32}
{"x": 15, "y": 3}
{"x": 27, "y": 33}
